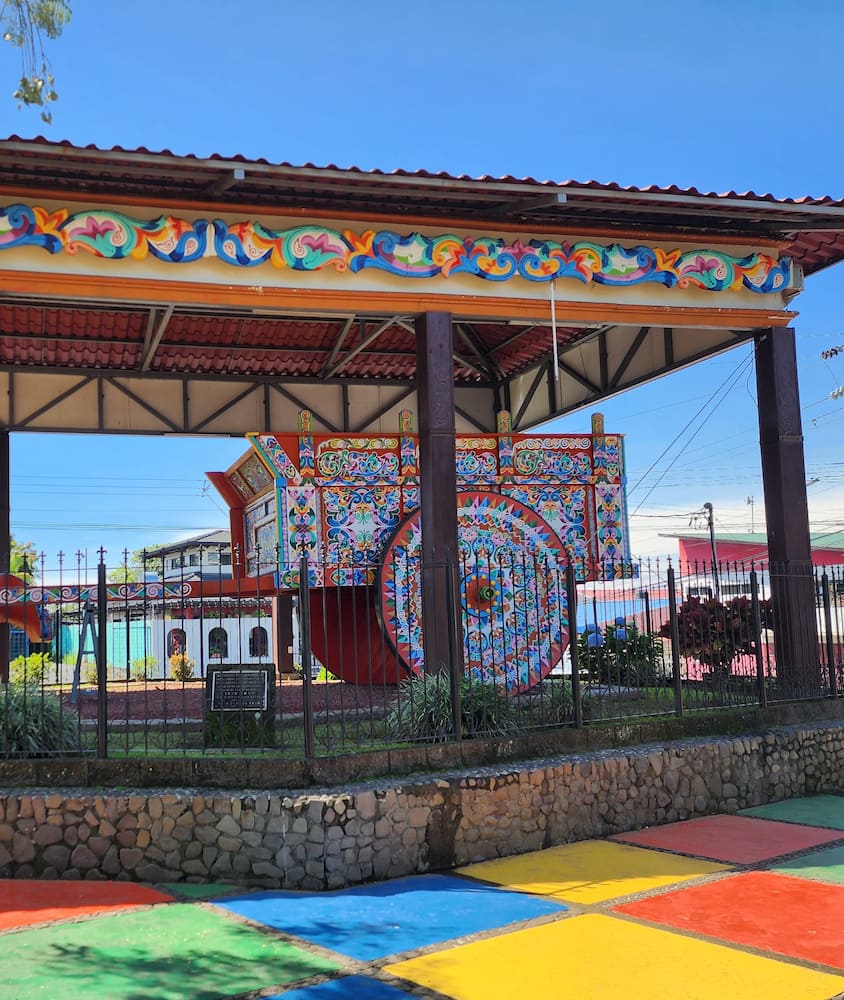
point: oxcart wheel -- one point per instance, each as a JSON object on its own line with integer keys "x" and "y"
{"x": 512, "y": 592}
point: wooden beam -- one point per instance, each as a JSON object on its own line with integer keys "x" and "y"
{"x": 632, "y": 351}
{"x": 139, "y": 401}
{"x": 668, "y": 345}
{"x": 469, "y": 336}
{"x": 153, "y": 339}
{"x": 338, "y": 344}
{"x": 302, "y": 405}
{"x": 525, "y": 205}
{"x": 86, "y": 380}
{"x": 537, "y": 379}
{"x": 603, "y": 360}
{"x": 580, "y": 379}
{"x": 228, "y": 180}
{"x": 385, "y": 408}
{"x": 362, "y": 346}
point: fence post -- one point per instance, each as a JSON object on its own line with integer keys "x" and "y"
{"x": 675, "y": 644}
{"x": 102, "y": 658}
{"x": 757, "y": 640}
{"x": 571, "y": 598}
{"x": 307, "y": 657}
{"x": 830, "y": 643}
{"x": 646, "y": 597}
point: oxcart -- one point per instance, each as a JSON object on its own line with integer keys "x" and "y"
{"x": 527, "y": 507}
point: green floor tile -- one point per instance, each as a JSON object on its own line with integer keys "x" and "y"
{"x": 816, "y": 810}
{"x": 168, "y": 953}
{"x": 210, "y": 890}
{"x": 823, "y": 866}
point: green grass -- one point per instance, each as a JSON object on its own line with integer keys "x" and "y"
{"x": 544, "y": 710}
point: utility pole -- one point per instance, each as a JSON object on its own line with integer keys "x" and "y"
{"x": 750, "y": 502}
{"x": 710, "y": 516}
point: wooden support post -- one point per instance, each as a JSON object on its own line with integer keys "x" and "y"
{"x": 438, "y": 490}
{"x": 787, "y": 514}
{"x": 5, "y": 544}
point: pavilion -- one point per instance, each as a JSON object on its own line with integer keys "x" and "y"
{"x": 150, "y": 293}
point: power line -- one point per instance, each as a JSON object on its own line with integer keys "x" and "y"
{"x": 713, "y": 401}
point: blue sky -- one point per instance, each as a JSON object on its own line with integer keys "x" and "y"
{"x": 722, "y": 96}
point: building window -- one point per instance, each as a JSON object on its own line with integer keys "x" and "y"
{"x": 226, "y": 559}
{"x": 258, "y": 642}
{"x": 177, "y": 641}
{"x": 218, "y": 643}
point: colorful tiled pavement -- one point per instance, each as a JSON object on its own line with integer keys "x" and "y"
{"x": 742, "y": 906}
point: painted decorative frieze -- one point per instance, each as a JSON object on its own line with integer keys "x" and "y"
{"x": 23, "y": 594}
{"x": 113, "y": 235}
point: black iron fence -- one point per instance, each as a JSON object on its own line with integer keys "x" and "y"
{"x": 174, "y": 656}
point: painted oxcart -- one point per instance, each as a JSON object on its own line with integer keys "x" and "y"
{"x": 527, "y": 506}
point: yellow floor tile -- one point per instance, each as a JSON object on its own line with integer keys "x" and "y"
{"x": 594, "y": 956}
{"x": 591, "y": 871}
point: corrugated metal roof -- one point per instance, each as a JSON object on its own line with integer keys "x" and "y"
{"x": 220, "y": 158}
{"x": 94, "y": 173}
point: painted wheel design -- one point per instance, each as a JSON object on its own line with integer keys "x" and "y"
{"x": 512, "y": 591}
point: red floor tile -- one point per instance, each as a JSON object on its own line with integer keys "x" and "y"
{"x": 25, "y": 902}
{"x": 736, "y": 839}
{"x": 789, "y": 916}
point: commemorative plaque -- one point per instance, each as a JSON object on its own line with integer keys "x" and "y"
{"x": 240, "y": 704}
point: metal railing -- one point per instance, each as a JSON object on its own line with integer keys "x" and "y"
{"x": 171, "y": 657}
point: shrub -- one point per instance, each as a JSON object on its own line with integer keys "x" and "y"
{"x": 622, "y": 655}
{"x": 716, "y": 633}
{"x": 181, "y": 667}
{"x": 30, "y": 670}
{"x": 423, "y": 710}
{"x": 144, "y": 668}
{"x": 35, "y": 723}
{"x": 553, "y": 704}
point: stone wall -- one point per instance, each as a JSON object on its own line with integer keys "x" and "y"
{"x": 331, "y": 838}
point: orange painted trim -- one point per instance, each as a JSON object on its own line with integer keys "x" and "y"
{"x": 440, "y": 221}
{"x": 237, "y": 533}
{"x": 236, "y": 505}
{"x": 148, "y": 291}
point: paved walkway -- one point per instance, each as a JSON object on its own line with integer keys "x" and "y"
{"x": 740, "y": 907}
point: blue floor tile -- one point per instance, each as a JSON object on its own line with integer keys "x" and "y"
{"x": 348, "y": 988}
{"x": 386, "y": 918}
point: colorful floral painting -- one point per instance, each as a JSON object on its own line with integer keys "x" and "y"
{"x": 112, "y": 235}
{"x": 512, "y": 592}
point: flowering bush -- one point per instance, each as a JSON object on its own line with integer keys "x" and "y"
{"x": 181, "y": 667}
{"x": 621, "y": 654}
{"x": 717, "y": 633}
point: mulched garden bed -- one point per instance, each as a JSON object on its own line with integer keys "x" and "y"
{"x": 140, "y": 700}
